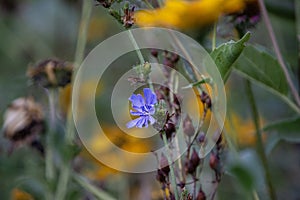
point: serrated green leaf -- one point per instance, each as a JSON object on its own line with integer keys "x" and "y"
{"x": 226, "y": 54}
{"x": 288, "y": 129}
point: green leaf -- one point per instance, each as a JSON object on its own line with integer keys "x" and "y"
{"x": 287, "y": 129}
{"x": 243, "y": 175}
{"x": 226, "y": 54}
{"x": 257, "y": 65}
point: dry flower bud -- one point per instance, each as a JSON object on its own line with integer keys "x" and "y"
{"x": 201, "y": 195}
{"x": 195, "y": 160}
{"x": 188, "y": 127}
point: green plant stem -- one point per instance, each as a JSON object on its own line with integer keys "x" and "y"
{"x": 277, "y": 51}
{"x": 97, "y": 192}
{"x": 139, "y": 54}
{"x": 63, "y": 182}
{"x": 79, "y": 55}
{"x": 64, "y": 175}
{"x": 49, "y": 171}
{"x": 259, "y": 140}
{"x": 173, "y": 179}
{"x": 214, "y": 36}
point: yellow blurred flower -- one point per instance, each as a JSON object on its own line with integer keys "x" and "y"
{"x": 187, "y": 14}
{"x": 18, "y": 194}
{"x": 241, "y": 130}
{"x": 99, "y": 171}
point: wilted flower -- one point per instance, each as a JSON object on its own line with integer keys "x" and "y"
{"x": 24, "y": 118}
{"x": 51, "y": 73}
{"x": 144, "y": 108}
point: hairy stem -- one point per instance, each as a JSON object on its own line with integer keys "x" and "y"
{"x": 259, "y": 140}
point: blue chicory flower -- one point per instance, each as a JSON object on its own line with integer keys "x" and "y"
{"x": 144, "y": 108}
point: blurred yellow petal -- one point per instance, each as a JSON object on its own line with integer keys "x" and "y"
{"x": 18, "y": 194}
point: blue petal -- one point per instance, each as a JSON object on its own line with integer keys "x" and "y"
{"x": 141, "y": 123}
{"x": 151, "y": 120}
{"x": 133, "y": 123}
{"x": 137, "y": 100}
{"x": 134, "y": 113}
{"x": 150, "y": 97}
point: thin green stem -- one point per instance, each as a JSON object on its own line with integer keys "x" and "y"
{"x": 49, "y": 171}
{"x": 64, "y": 175}
{"x": 259, "y": 140}
{"x": 136, "y": 47}
{"x": 278, "y": 53}
{"x": 97, "y": 192}
{"x": 79, "y": 55}
{"x": 139, "y": 54}
{"x": 63, "y": 182}
{"x": 214, "y": 36}
{"x": 170, "y": 162}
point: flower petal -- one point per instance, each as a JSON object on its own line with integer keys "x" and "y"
{"x": 133, "y": 122}
{"x": 141, "y": 122}
{"x": 150, "y": 97}
{"x": 137, "y": 100}
{"x": 134, "y": 113}
{"x": 151, "y": 120}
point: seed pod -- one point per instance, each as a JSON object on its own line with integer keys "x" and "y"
{"x": 201, "y": 195}
{"x": 188, "y": 127}
{"x": 51, "y": 73}
{"x": 23, "y": 118}
{"x": 154, "y": 53}
{"x": 213, "y": 161}
{"x": 195, "y": 160}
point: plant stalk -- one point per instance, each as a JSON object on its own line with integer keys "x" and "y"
{"x": 259, "y": 140}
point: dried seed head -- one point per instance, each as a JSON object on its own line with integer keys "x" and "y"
{"x": 23, "y": 119}
{"x": 188, "y": 127}
{"x": 51, "y": 73}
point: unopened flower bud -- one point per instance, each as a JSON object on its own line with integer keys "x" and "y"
{"x": 154, "y": 53}
{"x": 195, "y": 160}
{"x": 188, "y": 127}
{"x": 213, "y": 161}
{"x": 201, "y": 195}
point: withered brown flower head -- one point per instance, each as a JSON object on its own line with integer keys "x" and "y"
{"x": 23, "y": 119}
{"x": 51, "y": 73}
